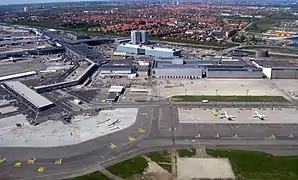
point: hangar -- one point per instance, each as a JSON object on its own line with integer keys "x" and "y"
{"x": 33, "y": 99}
{"x": 278, "y": 69}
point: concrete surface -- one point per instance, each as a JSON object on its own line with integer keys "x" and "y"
{"x": 256, "y": 87}
{"x": 206, "y": 168}
{"x": 55, "y": 133}
{"x": 7, "y": 109}
{"x": 289, "y": 86}
{"x": 277, "y": 116}
{"x": 7, "y": 68}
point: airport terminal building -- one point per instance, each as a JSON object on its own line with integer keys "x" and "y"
{"x": 27, "y": 95}
{"x": 149, "y": 51}
{"x": 200, "y": 68}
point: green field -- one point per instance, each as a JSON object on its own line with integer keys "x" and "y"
{"x": 251, "y": 165}
{"x": 262, "y": 26}
{"x": 124, "y": 169}
{"x": 229, "y": 98}
{"x": 186, "y": 152}
{"x": 162, "y": 158}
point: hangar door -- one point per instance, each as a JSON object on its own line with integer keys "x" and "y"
{"x": 284, "y": 74}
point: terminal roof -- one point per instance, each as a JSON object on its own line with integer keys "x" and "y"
{"x": 33, "y": 97}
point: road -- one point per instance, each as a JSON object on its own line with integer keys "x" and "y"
{"x": 187, "y": 44}
{"x": 240, "y": 47}
{"x": 159, "y": 129}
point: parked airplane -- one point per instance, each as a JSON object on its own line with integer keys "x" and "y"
{"x": 258, "y": 115}
{"x": 114, "y": 123}
{"x": 228, "y": 116}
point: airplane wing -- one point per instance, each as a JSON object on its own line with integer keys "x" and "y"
{"x": 221, "y": 117}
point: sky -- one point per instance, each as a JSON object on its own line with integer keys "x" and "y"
{"x": 6, "y": 2}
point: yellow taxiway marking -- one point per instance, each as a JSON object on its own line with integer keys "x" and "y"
{"x": 112, "y": 146}
{"x": 193, "y": 140}
{"x": 17, "y": 164}
{"x": 131, "y": 138}
{"x": 41, "y": 169}
{"x": 2, "y": 160}
{"x": 198, "y": 136}
{"x": 58, "y": 161}
{"x": 214, "y": 113}
{"x": 31, "y": 161}
{"x": 236, "y": 136}
{"x": 143, "y": 114}
{"x": 273, "y": 136}
{"x": 142, "y": 130}
{"x": 291, "y": 136}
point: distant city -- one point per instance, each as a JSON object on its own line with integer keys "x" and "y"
{"x": 138, "y": 89}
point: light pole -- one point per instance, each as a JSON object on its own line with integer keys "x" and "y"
{"x": 216, "y": 92}
{"x": 247, "y": 90}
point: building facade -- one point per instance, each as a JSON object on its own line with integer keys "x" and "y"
{"x": 144, "y": 37}
{"x": 149, "y": 51}
{"x": 233, "y": 73}
{"x": 179, "y": 73}
{"x": 176, "y": 68}
{"x": 136, "y": 37}
{"x": 284, "y": 73}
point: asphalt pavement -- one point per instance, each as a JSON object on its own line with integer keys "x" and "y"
{"x": 157, "y": 127}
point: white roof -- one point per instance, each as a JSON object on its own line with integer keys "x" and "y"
{"x": 147, "y": 47}
{"x": 117, "y": 89}
{"x": 33, "y": 97}
{"x": 13, "y": 76}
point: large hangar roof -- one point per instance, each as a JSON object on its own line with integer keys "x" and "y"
{"x": 277, "y": 63}
{"x": 33, "y": 97}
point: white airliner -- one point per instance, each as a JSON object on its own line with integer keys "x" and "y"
{"x": 228, "y": 116}
{"x": 258, "y": 115}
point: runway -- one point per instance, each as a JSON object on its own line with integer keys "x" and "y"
{"x": 156, "y": 129}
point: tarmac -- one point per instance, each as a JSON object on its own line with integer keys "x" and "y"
{"x": 155, "y": 128}
{"x": 55, "y": 133}
{"x": 211, "y": 87}
{"x": 242, "y": 116}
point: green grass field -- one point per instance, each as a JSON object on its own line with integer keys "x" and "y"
{"x": 186, "y": 152}
{"x": 124, "y": 169}
{"x": 251, "y": 165}
{"x": 230, "y": 98}
{"x": 161, "y": 158}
